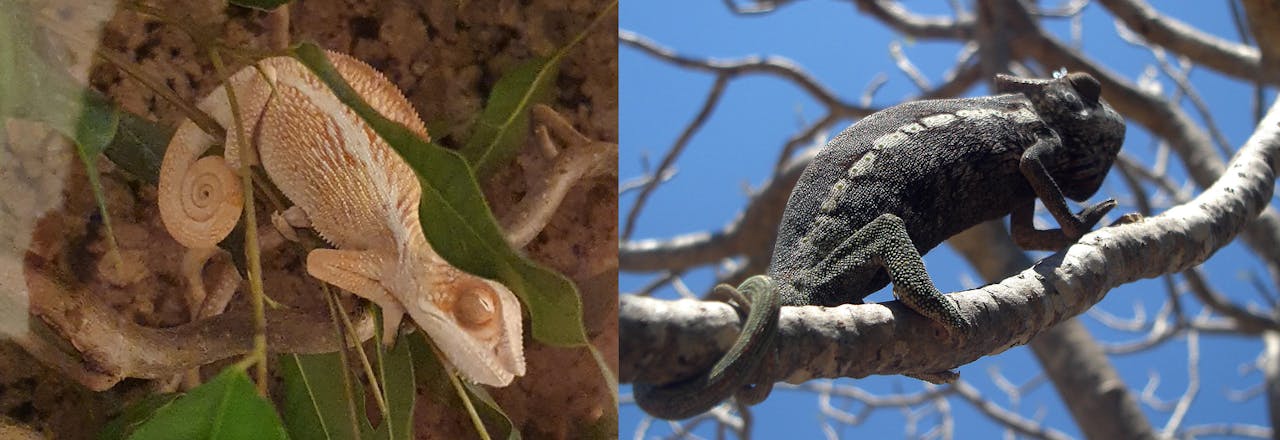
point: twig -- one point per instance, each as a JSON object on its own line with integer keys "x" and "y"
{"x": 252, "y": 252}
{"x": 713, "y": 98}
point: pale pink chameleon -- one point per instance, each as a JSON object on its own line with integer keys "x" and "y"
{"x": 356, "y": 192}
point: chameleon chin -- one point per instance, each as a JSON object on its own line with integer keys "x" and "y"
{"x": 901, "y": 181}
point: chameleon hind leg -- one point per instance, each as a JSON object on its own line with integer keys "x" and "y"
{"x": 884, "y": 242}
{"x": 732, "y": 374}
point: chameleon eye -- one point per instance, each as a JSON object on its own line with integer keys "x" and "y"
{"x": 476, "y": 306}
{"x": 1086, "y": 85}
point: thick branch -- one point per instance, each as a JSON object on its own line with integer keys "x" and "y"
{"x": 1082, "y": 374}
{"x": 110, "y": 347}
{"x": 1263, "y": 16}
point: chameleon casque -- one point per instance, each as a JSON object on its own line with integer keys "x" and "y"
{"x": 358, "y": 195}
{"x": 899, "y": 182}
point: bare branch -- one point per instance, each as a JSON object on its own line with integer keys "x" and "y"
{"x": 1248, "y": 321}
{"x": 580, "y": 158}
{"x": 760, "y": 6}
{"x": 899, "y": 18}
{"x": 110, "y": 347}
{"x": 1226, "y": 429}
{"x": 1004, "y": 417}
{"x": 1230, "y": 58}
{"x": 753, "y": 230}
{"x": 1271, "y": 374}
{"x": 1068, "y": 9}
{"x": 909, "y": 69}
{"x": 774, "y": 66}
{"x": 1193, "y": 384}
{"x": 713, "y": 98}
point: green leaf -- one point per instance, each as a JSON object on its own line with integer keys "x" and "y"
{"x": 315, "y": 403}
{"x": 396, "y": 374}
{"x": 265, "y": 5}
{"x": 434, "y": 380}
{"x": 496, "y": 136}
{"x": 225, "y": 408}
{"x": 490, "y": 412}
{"x": 505, "y": 119}
{"x": 138, "y": 146}
{"x": 120, "y": 427}
{"x": 97, "y": 124}
{"x": 458, "y": 223}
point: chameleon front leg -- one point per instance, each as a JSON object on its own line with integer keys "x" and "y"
{"x": 358, "y": 272}
{"x": 884, "y": 242}
{"x": 1073, "y": 226}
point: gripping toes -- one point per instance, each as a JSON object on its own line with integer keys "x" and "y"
{"x": 1083, "y": 222}
{"x": 934, "y": 305}
{"x": 1091, "y": 215}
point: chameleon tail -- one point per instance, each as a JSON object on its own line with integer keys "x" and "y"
{"x": 733, "y": 372}
{"x": 200, "y": 200}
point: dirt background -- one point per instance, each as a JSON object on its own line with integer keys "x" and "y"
{"x": 445, "y": 58}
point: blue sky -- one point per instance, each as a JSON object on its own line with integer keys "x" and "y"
{"x": 844, "y": 50}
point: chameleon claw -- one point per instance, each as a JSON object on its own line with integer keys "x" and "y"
{"x": 1091, "y": 215}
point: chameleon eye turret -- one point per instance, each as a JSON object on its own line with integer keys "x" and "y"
{"x": 476, "y": 307}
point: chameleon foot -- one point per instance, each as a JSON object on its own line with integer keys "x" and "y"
{"x": 285, "y": 222}
{"x": 733, "y": 372}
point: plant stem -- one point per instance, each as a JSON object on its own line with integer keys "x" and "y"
{"x": 466, "y": 400}
{"x": 364, "y": 358}
{"x": 252, "y": 252}
{"x": 332, "y": 299}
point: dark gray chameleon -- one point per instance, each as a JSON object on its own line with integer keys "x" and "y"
{"x": 899, "y": 182}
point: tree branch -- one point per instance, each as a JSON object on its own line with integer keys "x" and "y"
{"x": 902, "y": 20}
{"x": 1233, "y": 59}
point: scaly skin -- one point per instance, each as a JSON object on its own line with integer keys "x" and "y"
{"x": 899, "y": 182}
{"x": 357, "y": 193}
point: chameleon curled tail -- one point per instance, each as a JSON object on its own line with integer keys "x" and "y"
{"x": 200, "y": 198}
{"x": 732, "y": 374}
